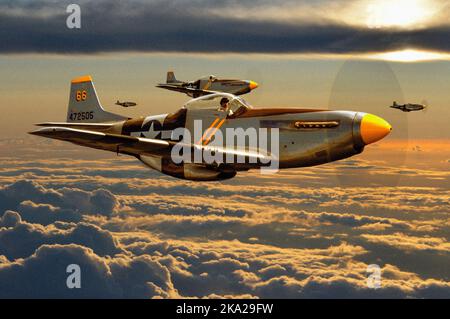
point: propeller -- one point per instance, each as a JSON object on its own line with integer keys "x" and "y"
{"x": 425, "y": 105}
{"x": 254, "y": 74}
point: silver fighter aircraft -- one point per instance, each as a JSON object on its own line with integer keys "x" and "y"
{"x": 207, "y": 85}
{"x": 408, "y": 107}
{"x": 306, "y": 137}
{"x": 126, "y": 104}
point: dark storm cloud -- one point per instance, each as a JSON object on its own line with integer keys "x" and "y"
{"x": 176, "y": 26}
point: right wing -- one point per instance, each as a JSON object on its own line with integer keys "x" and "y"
{"x": 177, "y": 88}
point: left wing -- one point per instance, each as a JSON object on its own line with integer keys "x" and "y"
{"x": 109, "y": 142}
{"x": 133, "y": 145}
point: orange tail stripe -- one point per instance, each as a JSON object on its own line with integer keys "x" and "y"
{"x": 207, "y": 131}
{"x": 214, "y": 132}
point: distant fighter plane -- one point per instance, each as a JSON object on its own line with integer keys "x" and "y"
{"x": 306, "y": 137}
{"x": 125, "y": 104}
{"x": 409, "y": 107}
{"x": 207, "y": 85}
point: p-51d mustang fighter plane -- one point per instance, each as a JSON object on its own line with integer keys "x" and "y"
{"x": 408, "y": 107}
{"x": 126, "y": 104}
{"x": 306, "y": 137}
{"x": 207, "y": 85}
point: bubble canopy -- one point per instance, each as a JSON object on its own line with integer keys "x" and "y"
{"x": 212, "y": 102}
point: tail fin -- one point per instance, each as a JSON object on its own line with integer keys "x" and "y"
{"x": 395, "y": 103}
{"x": 171, "y": 78}
{"x": 84, "y": 105}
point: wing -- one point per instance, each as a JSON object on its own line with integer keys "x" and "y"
{"x": 133, "y": 145}
{"x": 109, "y": 142}
{"x": 246, "y": 156}
{"x": 177, "y": 88}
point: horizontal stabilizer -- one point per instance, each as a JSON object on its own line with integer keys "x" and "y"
{"x": 91, "y": 126}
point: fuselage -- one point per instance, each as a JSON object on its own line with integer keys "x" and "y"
{"x": 232, "y": 86}
{"x": 409, "y": 107}
{"x": 306, "y": 137}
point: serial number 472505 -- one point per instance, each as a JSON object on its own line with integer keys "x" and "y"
{"x": 81, "y": 116}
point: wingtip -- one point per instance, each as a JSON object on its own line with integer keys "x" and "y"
{"x": 34, "y": 132}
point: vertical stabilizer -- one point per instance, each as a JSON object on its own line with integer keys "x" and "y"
{"x": 84, "y": 105}
{"x": 171, "y": 78}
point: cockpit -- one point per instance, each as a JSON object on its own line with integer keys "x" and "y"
{"x": 208, "y": 78}
{"x": 236, "y": 105}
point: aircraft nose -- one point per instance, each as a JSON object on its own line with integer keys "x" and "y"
{"x": 252, "y": 85}
{"x": 373, "y": 128}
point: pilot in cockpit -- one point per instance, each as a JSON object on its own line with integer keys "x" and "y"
{"x": 224, "y": 104}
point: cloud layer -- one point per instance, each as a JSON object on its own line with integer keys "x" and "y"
{"x": 138, "y": 234}
{"x": 204, "y": 26}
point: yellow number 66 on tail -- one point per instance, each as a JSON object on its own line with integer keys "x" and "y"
{"x": 81, "y": 96}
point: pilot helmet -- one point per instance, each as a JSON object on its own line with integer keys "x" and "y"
{"x": 224, "y": 100}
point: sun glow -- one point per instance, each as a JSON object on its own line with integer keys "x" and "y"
{"x": 399, "y": 13}
{"x": 410, "y": 56}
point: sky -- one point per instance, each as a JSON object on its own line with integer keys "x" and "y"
{"x": 302, "y": 233}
